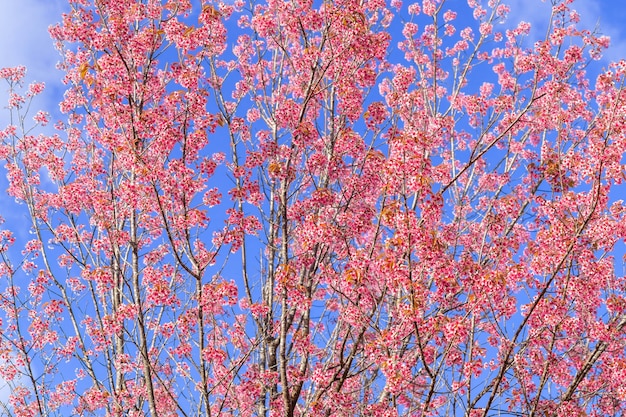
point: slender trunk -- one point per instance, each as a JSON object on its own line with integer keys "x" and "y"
{"x": 201, "y": 346}
{"x": 141, "y": 324}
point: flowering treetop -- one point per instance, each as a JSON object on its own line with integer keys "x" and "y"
{"x": 327, "y": 208}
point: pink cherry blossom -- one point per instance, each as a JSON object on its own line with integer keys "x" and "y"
{"x": 299, "y": 208}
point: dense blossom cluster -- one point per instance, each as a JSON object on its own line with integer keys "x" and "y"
{"x": 335, "y": 208}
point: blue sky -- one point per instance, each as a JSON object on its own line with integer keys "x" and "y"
{"x": 24, "y": 40}
{"x": 608, "y": 16}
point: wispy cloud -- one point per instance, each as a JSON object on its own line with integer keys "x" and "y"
{"x": 24, "y": 40}
{"x": 605, "y": 17}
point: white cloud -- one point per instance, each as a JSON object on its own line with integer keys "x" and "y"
{"x": 606, "y": 17}
{"x": 24, "y": 40}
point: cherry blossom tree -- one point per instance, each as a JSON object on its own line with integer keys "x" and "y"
{"x": 335, "y": 208}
